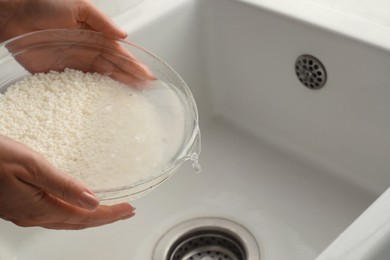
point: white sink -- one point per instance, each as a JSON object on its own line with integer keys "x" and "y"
{"x": 295, "y": 166}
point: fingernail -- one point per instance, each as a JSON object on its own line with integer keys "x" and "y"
{"x": 127, "y": 216}
{"x": 122, "y": 32}
{"x": 129, "y": 211}
{"x": 88, "y": 201}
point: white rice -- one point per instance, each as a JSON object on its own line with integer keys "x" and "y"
{"x": 87, "y": 125}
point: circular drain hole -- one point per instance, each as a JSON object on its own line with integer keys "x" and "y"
{"x": 207, "y": 239}
{"x": 310, "y": 71}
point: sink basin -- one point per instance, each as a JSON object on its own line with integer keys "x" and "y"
{"x": 295, "y": 166}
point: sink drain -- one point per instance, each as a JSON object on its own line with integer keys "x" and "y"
{"x": 211, "y": 244}
{"x": 310, "y": 71}
{"x": 207, "y": 239}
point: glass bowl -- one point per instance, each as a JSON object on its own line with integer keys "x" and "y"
{"x": 88, "y": 51}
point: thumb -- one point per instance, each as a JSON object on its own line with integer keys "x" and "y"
{"x": 63, "y": 186}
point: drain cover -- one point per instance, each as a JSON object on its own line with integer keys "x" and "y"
{"x": 310, "y": 71}
{"x": 207, "y": 239}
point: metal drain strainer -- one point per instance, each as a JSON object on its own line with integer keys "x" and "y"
{"x": 207, "y": 239}
{"x": 310, "y": 71}
{"x": 209, "y": 245}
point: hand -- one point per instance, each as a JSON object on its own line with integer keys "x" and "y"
{"x": 82, "y": 50}
{"x": 106, "y": 57}
{"x": 23, "y": 16}
{"x": 35, "y": 193}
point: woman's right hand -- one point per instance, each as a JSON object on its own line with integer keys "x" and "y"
{"x": 34, "y": 193}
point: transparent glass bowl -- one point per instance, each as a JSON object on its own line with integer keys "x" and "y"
{"x": 57, "y": 49}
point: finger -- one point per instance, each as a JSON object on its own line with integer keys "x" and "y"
{"x": 105, "y": 67}
{"x": 122, "y": 59}
{"x": 129, "y": 65}
{"x": 62, "y": 226}
{"x": 67, "y": 226}
{"x": 68, "y": 214}
{"x": 61, "y": 185}
{"x": 125, "y": 60}
{"x": 53, "y": 212}
{"x": 50, "y": 210}
{"x": 97, "y": 20}
{"x": 114, "y": 52}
